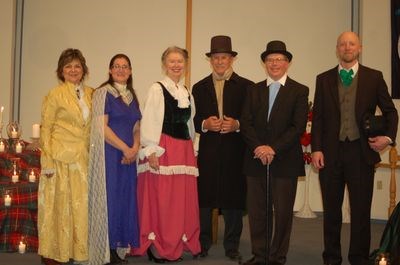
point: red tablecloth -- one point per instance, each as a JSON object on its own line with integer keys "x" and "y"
{"x": 18, "y": 222}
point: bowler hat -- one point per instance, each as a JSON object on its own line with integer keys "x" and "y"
{"x": 221, "y": 44}
{"x": 276, "y": 46}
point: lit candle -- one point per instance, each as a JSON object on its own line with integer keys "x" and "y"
{"x": 36, "y": 131}
{"x": 7, "y": 200}
{"x": 14, "y": 177}
{"x": 14, "y": 133}
{"x": 2, "y": 147}
{"x": 21, "y": 247}
{"x": 1, "y": 114}
{"x": 18, "y": 148}
{"x": 32, "y": 177}
{"x": 383, "y": 261}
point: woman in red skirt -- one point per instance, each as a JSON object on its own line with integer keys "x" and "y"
{"x": 167, "y": 179}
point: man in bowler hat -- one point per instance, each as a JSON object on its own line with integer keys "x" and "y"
{"x": 219, "y": 98}
{"x": 273, "y": 118}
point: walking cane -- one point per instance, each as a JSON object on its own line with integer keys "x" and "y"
{"x": 267, "y": 200}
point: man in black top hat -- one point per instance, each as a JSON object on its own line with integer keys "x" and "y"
{"x": 219, "y": 99}
{"x": 273, "y": 118}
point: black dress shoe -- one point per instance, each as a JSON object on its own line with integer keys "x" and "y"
{"x": 253, "y": 261}
{"x": 203, "y": 253}
{"x": 115, "y": 258}
{"x": 274, "y": 263}
{"x": 153, "y": 258}
{"x": 233, "y": 254}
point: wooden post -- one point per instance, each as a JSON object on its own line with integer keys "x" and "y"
{"x": 188, "y": 41}
{"x": 393, "y": 158}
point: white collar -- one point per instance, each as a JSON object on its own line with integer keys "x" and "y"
{"x": 282, "y": 80}
{"x": 354, "y": 67}
{"x": 178, "y": 91}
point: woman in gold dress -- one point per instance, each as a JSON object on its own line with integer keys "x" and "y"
{"x": 63, "y": 188}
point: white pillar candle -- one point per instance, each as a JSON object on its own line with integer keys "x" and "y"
{"x": 18, "y": 148}
{"x": 14, "y": 177}
{"x": 7, "y": 200}
{"x": 36, "y": 131}
{"x": 2, "y": 147}
{"x": 21, "y": 247}
{"x": 32, "y": 177}
{"x": 1, "y": 114}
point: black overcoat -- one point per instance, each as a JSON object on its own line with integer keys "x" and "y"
{"x": 221, "y": 183}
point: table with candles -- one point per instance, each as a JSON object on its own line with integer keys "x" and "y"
{"x": 19, "y": 175}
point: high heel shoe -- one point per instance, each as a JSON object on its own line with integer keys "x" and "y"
{"x": 153, "y": 258}
{"x": 115, "y": 258}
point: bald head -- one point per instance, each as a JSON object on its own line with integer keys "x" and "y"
{"x": 348, "y": 49}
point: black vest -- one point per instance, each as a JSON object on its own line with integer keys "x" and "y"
{"x": 175, "y": 119}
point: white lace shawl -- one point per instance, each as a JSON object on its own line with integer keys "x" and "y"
{"x": 99, "y": 248}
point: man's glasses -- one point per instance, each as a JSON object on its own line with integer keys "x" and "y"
{"x": 276, "y": 60}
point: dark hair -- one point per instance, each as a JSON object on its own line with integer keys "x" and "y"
{"x": 68, "y": 56}
{"x": 129, "y": 83}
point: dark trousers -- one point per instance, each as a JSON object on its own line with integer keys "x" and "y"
{"x": 233, "y": 228}
{"x": 351, "y": 169}
{"x": 283, "y": 194}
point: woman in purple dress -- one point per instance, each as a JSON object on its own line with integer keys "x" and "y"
{"x": 114, "y": 145}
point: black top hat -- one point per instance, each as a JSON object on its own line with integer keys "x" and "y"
{"x": 221, "y": 44}
{"x": 276, "y": 46}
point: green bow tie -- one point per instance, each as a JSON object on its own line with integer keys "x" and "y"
{"x": 346, "y": 76}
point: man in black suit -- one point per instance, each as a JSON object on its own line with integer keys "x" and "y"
{"x": 342, "y": 150}
{"x": 219, "y": 99}
{"x": 273, "y": 118}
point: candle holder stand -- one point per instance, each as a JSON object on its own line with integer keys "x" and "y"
{"x": 35, "y": 145}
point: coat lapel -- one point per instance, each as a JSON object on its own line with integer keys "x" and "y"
{"x": 75, "y": 103}
{"x": 333, "y": 86}
{"x": 264, "y": 95}
{"x": 212, "y": 94}
{"x": 361, "y": 90}
{"x": 279, "y": 100}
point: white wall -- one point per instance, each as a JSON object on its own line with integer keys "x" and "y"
{"x": 6, "y": 51}
{"x": 100, "y": 29}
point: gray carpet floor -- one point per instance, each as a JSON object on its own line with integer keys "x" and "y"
{"x": 305, "y": 248}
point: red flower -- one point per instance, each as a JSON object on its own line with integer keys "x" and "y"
{"x": 305, "y": 138}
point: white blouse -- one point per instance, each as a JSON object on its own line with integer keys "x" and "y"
{"x": 153, "y": 115}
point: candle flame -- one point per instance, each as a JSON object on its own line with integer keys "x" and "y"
{"x": 2, "y": 108}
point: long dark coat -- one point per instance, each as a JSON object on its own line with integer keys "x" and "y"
{"x": 221, "y": 183}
